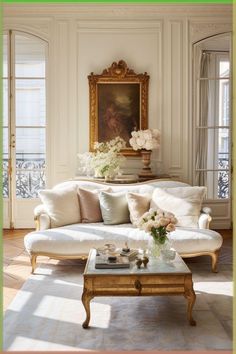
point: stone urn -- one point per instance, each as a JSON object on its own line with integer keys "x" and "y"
{"x": 146, "y": 160}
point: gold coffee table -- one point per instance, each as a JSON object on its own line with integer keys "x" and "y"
{"x": 158, "y": 278}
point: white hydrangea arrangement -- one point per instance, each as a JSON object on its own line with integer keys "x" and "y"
{"x": 148, "y": 139}
{"x": 157, "y": 223}
{"x": 106, "y": 160}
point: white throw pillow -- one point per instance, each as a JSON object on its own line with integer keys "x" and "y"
{"x": 62, "y": 205}
{"x": 138, "y": 204}
{"x": 184, "y": 202}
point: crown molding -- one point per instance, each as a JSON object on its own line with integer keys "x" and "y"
{"x": 117, "y": 10}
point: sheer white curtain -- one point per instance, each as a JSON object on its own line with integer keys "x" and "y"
{"x": 204, "y": 108}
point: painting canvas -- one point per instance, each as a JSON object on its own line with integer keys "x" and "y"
{"x": 118, "y": 110}
{"x": 118, "y": 104}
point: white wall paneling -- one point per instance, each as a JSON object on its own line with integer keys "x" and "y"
{"x": 88, "y": 38}
{"x": 176, "y": 94}
{"x": 140, "y": 45}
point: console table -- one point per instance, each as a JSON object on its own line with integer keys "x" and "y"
{"x": 125, "y": 179}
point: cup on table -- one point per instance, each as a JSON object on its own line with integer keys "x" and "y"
{"x": 168, "y": 255}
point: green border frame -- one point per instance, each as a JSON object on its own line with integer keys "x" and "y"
{"x": 126, "y": 1}
{"x": 184, "y": 2}
{"x": 234, "y": 167}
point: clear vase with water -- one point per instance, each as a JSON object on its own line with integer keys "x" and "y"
{"x": 155, "y": 247}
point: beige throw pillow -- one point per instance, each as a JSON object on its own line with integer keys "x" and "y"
{"x": 62, "y": 205}
{"x": 138, "y": 204}
{"x": 114, "y": 208}
{"x": 89, "y": 205}
{"x": 184, "y": 202}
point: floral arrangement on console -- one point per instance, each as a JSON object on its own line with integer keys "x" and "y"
{"x": 148, "y": 139}
{"x": 106, "y": 160}
{"x": 145, "y": 141}
{"x": 157, "y": 223}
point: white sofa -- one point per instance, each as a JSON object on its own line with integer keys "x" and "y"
{"x": 75, "y": 240}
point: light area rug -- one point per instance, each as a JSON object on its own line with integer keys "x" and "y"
{"x": 47, "y": 315}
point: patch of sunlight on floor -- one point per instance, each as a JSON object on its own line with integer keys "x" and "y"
{"x": 100, "y": 314}
{"x": 218, "y": 288}
{"x": 20, "y": 302}
{"x": 53, "y": 307}
{"x": 29, "y": 343}
{"x": 64, "y": 282}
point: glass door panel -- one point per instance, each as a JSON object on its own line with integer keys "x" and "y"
{"x": 30, "y": 102}
{"x": 24, "y": 121}
{"x": 30, "y": 115}
{"x": 29, "y": 56}
{"x": 5, "y": 55}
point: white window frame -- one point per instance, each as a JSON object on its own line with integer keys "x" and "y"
{"x": 215, "y": 77}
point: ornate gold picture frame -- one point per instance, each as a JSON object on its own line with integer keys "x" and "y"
{"x": 118, "y": 101}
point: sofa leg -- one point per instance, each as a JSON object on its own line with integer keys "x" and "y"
{"x": 33, "y": 258}
{"x": 214, "y": 261}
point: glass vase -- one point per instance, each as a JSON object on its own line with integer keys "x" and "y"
{"x": 98, "y": 174}
{"x": 155, "y": 248}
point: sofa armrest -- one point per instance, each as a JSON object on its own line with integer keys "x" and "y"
{"x": 42, "y": 219}
{"x": 205, "y": 218}
{"x": 206, "y": 210}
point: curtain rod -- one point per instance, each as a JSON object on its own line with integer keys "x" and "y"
{"x": 215, "y": 51}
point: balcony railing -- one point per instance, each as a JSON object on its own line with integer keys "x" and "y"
{"x": 223, "y": 178}
{"x": 30, "y": 177}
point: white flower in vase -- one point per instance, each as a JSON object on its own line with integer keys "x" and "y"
{"x": 148, "y": 139}
{"x": 145, "y": 141}
{"x": 106, "y": 159}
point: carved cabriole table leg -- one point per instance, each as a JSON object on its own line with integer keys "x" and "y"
{"x": 191, "y": 297}
{"x": 86, "y": 298}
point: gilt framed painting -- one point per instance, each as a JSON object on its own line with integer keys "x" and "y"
{"x": 118, "y": 104}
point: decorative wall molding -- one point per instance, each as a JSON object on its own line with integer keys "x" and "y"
{"x": 117, "y": 10}
{"x": 61, "y": 123}
{"x": 176, "y": 114}
{"x": 131, "y": 31}
{"x": 127, "y": 26}
{"x": 199, "y": 30}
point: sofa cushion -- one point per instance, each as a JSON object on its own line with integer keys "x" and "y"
{"x": 78, "y": 239}
{"x": 62, "y": 205}
{"x": 138, "y": 204}
{"x": 114, "y": 208}
{"x": 184, "y": 202}
{"x": 89, "y": 205}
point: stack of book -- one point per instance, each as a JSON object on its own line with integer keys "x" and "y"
{"x": 118, "y": 262}
{"x": 131, "y": 254}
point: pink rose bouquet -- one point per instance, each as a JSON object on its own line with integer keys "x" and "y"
{"x": 158, "y": 223}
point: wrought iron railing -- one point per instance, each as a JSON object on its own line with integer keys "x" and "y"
{"x": 30, "y": 177}
{"x": 223, "y": 178}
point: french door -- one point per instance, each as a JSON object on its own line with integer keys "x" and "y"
{"x": 24, "y": 126}
{"x": 212, "y": 138}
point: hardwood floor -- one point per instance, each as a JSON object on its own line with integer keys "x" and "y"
{"x": 16, "y": 264}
